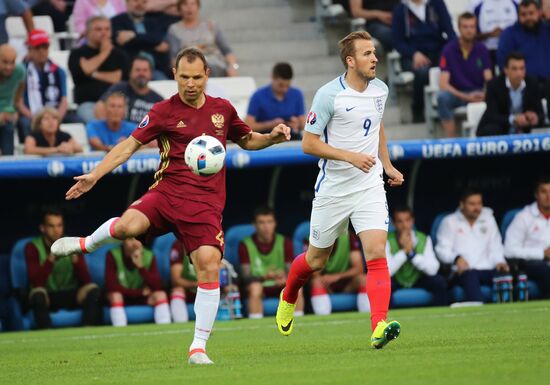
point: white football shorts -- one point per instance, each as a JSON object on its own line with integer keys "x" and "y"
{"x": 330, "y": 216}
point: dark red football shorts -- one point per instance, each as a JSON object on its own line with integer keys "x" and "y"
{"x": 194, "y": 223}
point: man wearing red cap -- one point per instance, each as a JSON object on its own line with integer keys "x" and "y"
{"x": 45, "y": 84}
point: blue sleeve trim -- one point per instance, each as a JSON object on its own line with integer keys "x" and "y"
{"x": 323, "y": 167}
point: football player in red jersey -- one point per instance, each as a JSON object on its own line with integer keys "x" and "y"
{"x": 189, "y": 205}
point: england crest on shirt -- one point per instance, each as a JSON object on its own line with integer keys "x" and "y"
{"x": 379, "y": 104}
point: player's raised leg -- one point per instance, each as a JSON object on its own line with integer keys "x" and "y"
{"x": 132, "y": 224}
{"x": 301, "y": 270}
{"x": 378, "y": 287}
{"x": 206, "y": 260}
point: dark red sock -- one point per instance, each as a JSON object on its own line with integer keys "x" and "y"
{"x": 378, "y": 289}
{"x": 297, "y": 276}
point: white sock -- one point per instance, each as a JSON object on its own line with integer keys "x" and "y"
{"x": 162, "y": 313}
{"x": 206, "y": 308}
{"x": 118, "y": 316}
{"x": 179, "y": 310}
{"x": 321, "y": 304}
{"x": 100, "y": 237}
{"x": 255, "y": 315}
{"x": 363, "y": 304}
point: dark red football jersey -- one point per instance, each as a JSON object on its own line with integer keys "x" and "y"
{"x": 174, "y": 124}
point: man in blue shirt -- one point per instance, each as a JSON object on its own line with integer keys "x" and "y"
{"x": 530, "y": 36}
{"x": 277, "y": 103}
{"x": 105, "y": 134}
{"x": 14, "y": 8}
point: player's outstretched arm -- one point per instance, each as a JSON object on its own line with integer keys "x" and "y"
{"x": 257, "y": 141}
{"x": 313, "y": 145}
{"x": 395, "y": 177}
{"x": 114, "y": 158}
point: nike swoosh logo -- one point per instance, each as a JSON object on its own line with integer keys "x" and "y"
{"x": 348, "y": 109}
{"x": 287, "y": 327}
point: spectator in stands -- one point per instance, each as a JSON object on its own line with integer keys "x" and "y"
{"x": 45, "y": 84}
{"x": 546, "y": 9}
{"x": 184, "y": 282}
{"x": 470, "y": 240}
{"x": 411, "y": 258}
{"x": 493, "y": 16}
{"x": 420, "y": 30}
{"x": 47, "y": 138}
{"x": 14, "y": 8}
{"x": 277, "y": 103}
{"x": 191, "y": 31}
{"x": 132, "y": 278}
{"x": 344, "y": 273}
{"x": 378, "y": 14}
{"x": 11, "y": 89}
{"x": 58, "y": 10}
{"x": 513, "y": 101}
{"x": 106, "y": 133}
{"x": 139, "y": 96}
{"x": 138, "y": 33}
{"x": 530, "y": 36}
{"x": 95, "y": 66}
{"x": 465, "y": 68}
{"x": 265, "y": 259}
{"x": 528, "y": 237}
{"x": 84, "y": 10}
{"x": 62, "y": 283}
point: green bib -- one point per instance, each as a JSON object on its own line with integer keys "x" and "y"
{"x": 62, "y": 276}
{"x": 408, "y": 274}
{"x": 130, "y": 279}
{"x": 188, "y": 272}
{"x": 261, "y": 264}
{"x": 339, "y": 260}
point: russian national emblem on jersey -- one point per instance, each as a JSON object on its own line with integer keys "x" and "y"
{"x": 218, "y": 120}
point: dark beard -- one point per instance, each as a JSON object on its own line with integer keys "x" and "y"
{"x": 534, "y": 29}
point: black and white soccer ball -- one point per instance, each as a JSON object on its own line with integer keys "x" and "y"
{"x": 205, "y": 155}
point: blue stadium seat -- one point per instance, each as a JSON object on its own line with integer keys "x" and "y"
{"x": 507, "y": 219}
{"x": 457, "y": 294}
{"x": 411, "y": 297}
{"x": 301, "y": 234}
{"x": 233, "y": 236}
{"x": 161, "y": 248}
{"x": 435, "y": 225}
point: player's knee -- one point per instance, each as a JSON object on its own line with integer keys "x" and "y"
{"x": 317, "y": 261}
{"x": 115, "y": 297}
{"x": 128, "y": 228}
{"x": 255, "y": 290}
{"x": 159, "y": 296}
{"x": 177, "y": 291}
{"x": 38, "y": 298}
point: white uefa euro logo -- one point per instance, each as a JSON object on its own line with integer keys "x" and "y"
{"x": 56, "y": 168}
{"x": 397, "y": 151}
{"x": 241, "y": 159}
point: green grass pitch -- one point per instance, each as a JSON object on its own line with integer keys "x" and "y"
{"x": 493, "y": 344}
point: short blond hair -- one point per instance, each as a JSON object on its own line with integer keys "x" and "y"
{"x": 37, "y": 118}
{"x": 347, "y": 44}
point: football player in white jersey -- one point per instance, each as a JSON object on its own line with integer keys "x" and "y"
{"x": 345, "y": 130}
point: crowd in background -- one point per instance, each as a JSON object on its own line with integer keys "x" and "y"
{"x": 499, "y": 56}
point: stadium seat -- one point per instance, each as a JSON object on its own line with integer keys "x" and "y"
{"x": 301, "y": 234}
{"x": 507, "y": 219}
{"x": 233, "y": 236}
{"x": 78, "y": 132}
{"x": 435, "y": 225}
{"x": 161, "y": 249}
{"x": 474, "y": 112}
{"x": 457, "y": 294}
{"x": 412, "y": 297}
{"x": 18, "y": 272}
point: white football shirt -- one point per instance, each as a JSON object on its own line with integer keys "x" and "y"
{"x": 348, "y": 120}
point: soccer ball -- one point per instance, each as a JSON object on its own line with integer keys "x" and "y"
{"x": 205, "y": 155}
